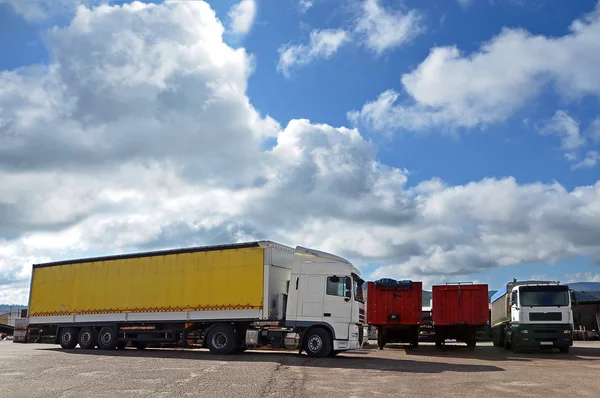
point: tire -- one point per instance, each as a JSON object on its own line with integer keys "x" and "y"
{"x": 564, "y": 350}
{"x": 221, "y": 340}
{"x": 107, "y": 338}
{"x": 472, "y": 340}
{"x": 88, "y": 338}
{"x": 415, "y": 340}
{"x": 317, "y": 343}
{"x": 68, "y": 338}
{"x": 507, "y": 342}
{"x": 380, "y": 338}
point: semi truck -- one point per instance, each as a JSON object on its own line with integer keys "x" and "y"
{"x": 395, "y": 309}
{"x": 532, "y": 314}
{"x": 227, "y": 298}
{"x": 459, "y": 311}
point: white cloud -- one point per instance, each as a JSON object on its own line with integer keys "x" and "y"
{"x": 582, "y": 277}
{"x": 591, "y": 160}
{"x": 242, "y": 16}
{"x": 375, "y": 27}
{"x": 539, "y": 277}
{"x": 565, "y": 127}
{"x": 149, "y": 141}
{"x": 382, "y": 29}
{"x": 594, "y": 130}
{"x": 322, "y": 45}
{"x": 571, "y": 156}
{"x": 305, "y": 5}
{"x": 451, "y": 89}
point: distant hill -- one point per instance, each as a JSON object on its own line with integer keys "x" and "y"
{"x": 585, "y": 286}
{"x": 6, "y": 308}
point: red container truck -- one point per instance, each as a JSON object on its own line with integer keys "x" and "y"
{"x": 394, "y": 308}
{"x": 459, "y": 311}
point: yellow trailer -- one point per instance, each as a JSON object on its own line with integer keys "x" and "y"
{"x": 211, "y": 282}
{"x": 228, "y": 297}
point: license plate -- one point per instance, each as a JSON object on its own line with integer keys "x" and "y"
{"x": 546, "y": 343}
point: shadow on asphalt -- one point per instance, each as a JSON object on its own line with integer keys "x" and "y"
{"x": 490, "y": 353}
{"x": 292, "y": 359}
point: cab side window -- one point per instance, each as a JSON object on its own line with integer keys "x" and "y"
{"x": 514, "y": 298}
{"x": 336, "y": 286}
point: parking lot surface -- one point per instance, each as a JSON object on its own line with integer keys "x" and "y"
{"x": 34, "y": 370}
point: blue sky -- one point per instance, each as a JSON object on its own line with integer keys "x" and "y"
{"x": 540, "y": 135}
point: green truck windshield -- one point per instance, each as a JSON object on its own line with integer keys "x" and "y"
{"x": 544, "y": 296}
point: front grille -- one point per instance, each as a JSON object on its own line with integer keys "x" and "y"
{"x": 545, "y": 316}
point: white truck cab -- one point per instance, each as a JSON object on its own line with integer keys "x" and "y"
{"x": 327, "y": 291}
{"x": 533, "y": 314}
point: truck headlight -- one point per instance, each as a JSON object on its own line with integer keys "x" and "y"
{"x": 525, "y": 331}
{"x": 567, "y": 331}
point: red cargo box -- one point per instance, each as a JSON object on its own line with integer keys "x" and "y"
{"x": 394, "y": 305}
{"x": 460, "y": 305}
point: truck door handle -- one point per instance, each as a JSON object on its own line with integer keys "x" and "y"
{"x": 327, "y": 314}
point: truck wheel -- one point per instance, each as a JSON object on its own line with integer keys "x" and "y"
{"x": 507, "y": 342}
{"x": 471, "y": 342}
{"x": 380, "y": 338}
{"x": 317, "y": 343}
{"x": 88, "y": 338}
{"x": 221, "y": 339}
{"x": 415, "y": 342}
{"x": 107, "y": 338}
{"x": 68, "y": 338}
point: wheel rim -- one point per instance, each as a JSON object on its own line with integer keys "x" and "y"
{"x": 106, "y": 338}
{"x": 315, "y": 343}
{"x": 66, "y": 337}
{"x": 86, "y": 338}
{"x": 219, "y": 340}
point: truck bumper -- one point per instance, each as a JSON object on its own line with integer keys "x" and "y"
{"x": 544, "y": 335}
{"x": 341, "y": 345}
{"x": 355, "y": 341}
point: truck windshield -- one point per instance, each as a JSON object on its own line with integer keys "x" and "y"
{"x": 359, "y": 286}
{"x": 544, "y": 296}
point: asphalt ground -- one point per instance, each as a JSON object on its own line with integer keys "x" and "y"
{"x": 40, "y": 370}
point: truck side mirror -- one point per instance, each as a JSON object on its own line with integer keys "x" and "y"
{"x": 348, "y": 295}
{"x": 573, "y": 297}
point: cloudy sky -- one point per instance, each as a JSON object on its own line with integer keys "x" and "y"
{"x": 437, "y": 141}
